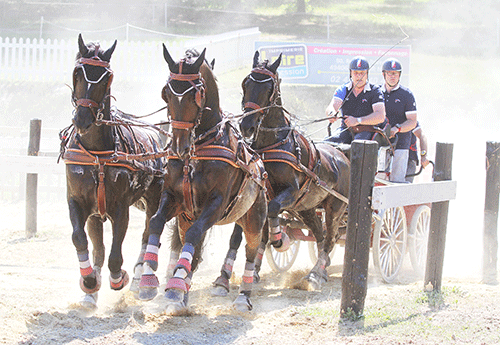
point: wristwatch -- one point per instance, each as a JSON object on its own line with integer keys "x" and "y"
{"x": 423, "y": 153}
{"x": 398, "y": 126}
{"x": 359, "y": 120}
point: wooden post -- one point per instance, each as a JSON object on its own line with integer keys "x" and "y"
{"x": 490, "y": 233}
{"x": 32, "y": 179}
{"x": 439, "y": 221}
{"x": 357, "y": 245}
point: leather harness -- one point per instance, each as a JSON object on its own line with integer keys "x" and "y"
{"x": 273, "y": 153}
{"x": 238, "y": 155}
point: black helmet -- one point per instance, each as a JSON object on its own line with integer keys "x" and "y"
{"x": 359, "y": 63}
{"x": 391, "y": 65}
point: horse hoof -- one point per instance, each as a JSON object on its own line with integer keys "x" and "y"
{"x": 89, "y": 301}
{"x": 242, "y": 303}
{"x": 147, "y": 293}
{"x": 315, "y": 280}
{"x": 256, "y": 277}
{"x": 176, "y": 301}
{"x": 221, "y": 286}
{"x": 148, "y": 287}
{"x": 285, "y": 243}
{"x": 219, "y": 291}
{"x": 134, "y": 285}
{"x": 91, "y": 290}
{"x": 123, "y": 281}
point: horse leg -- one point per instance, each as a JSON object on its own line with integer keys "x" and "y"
{"x": 152, "y": 199}
{"x": 334, "y": 210}
{"x": 178, "y": 285}
{"x": 252, "y": 222}
{"x": 260, "y": 252}
{"x": 318, "y": 274}
{"x": 175, "y": 249}
{"x": 221, "y": 284}
{"x": 280, "y": 240}
{"x": 148, "y": 286}
{"x": 118, "y": 277}
{"x": 90, "y": 280}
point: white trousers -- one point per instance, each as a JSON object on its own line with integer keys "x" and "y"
{"x": 399, "y": 165}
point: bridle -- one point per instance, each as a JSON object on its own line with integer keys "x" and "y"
{"x": 274, "y": 96}
{"x": 198, "y": 84}
{"x": 273, "y": 99}
{"x": 87, "y": 102}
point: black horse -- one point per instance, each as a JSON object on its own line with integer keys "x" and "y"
{"x": 110, "y": 165}
{"x": 212, "y": 178}
{"x": 303, "y": 176}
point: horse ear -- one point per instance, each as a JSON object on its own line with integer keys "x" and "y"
{"x": 275, "y": 64}
{"x": 107, "y": 54}
{"x": 199, "y": 61}
{"x": 168, "y": 58}
{"x": 81, "y": 46}
{"x": 255, "y": 59}
{"x": 212, "y": 64}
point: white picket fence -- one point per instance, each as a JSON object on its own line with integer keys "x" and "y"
{"x": 53, "y": 60}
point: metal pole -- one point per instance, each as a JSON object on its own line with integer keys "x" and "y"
{"x": 166, "y": 19}
{"x": 41, "y": 27}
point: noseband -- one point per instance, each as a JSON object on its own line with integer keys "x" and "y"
{"x": 86, "y": 102}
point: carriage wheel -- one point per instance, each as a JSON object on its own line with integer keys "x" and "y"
{"x": 282, "y": 261}
{"x": 417, "y": 238}
{"x": 389, "y": 243}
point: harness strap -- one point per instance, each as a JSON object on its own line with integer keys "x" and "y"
{"x": 282, "y": 156}
{"x": 186, "y": 187}
{"x": 101, "y": 191}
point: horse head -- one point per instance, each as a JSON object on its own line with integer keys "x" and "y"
{"x": 260, "y": 90}
{"x": 92, "y": 79}
{"x": 185, "y": 95}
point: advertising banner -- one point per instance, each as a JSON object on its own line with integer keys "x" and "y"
{"x": 328, "y": 64}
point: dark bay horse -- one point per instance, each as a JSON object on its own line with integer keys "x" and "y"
{"x": 110, "y": 165}
{"x": 303, "y": 176}
{"x": 212, "y": 178}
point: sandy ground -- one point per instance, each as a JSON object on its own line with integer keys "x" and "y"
{"x": 39, "y": 292}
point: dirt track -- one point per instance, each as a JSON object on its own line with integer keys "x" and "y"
{"x": 39, "y": 284}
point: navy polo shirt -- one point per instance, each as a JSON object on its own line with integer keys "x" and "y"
{"x": 361, "y": 105}
{"x": 398, "y": 103}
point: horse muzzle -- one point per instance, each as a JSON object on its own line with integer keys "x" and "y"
{"x": 81, "y": 122}
{"x": 181, "y": 146}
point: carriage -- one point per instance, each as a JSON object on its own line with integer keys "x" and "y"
{"x": 396, "y": 231}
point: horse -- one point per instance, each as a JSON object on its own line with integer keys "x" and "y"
{"x": 212, "y": 178}
{"x": 111, "y": 164}
{"x": 302, "y": 176}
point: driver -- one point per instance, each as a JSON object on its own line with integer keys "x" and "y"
{"x": 361, "y": 103}
{"x": 401, "y": 112}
